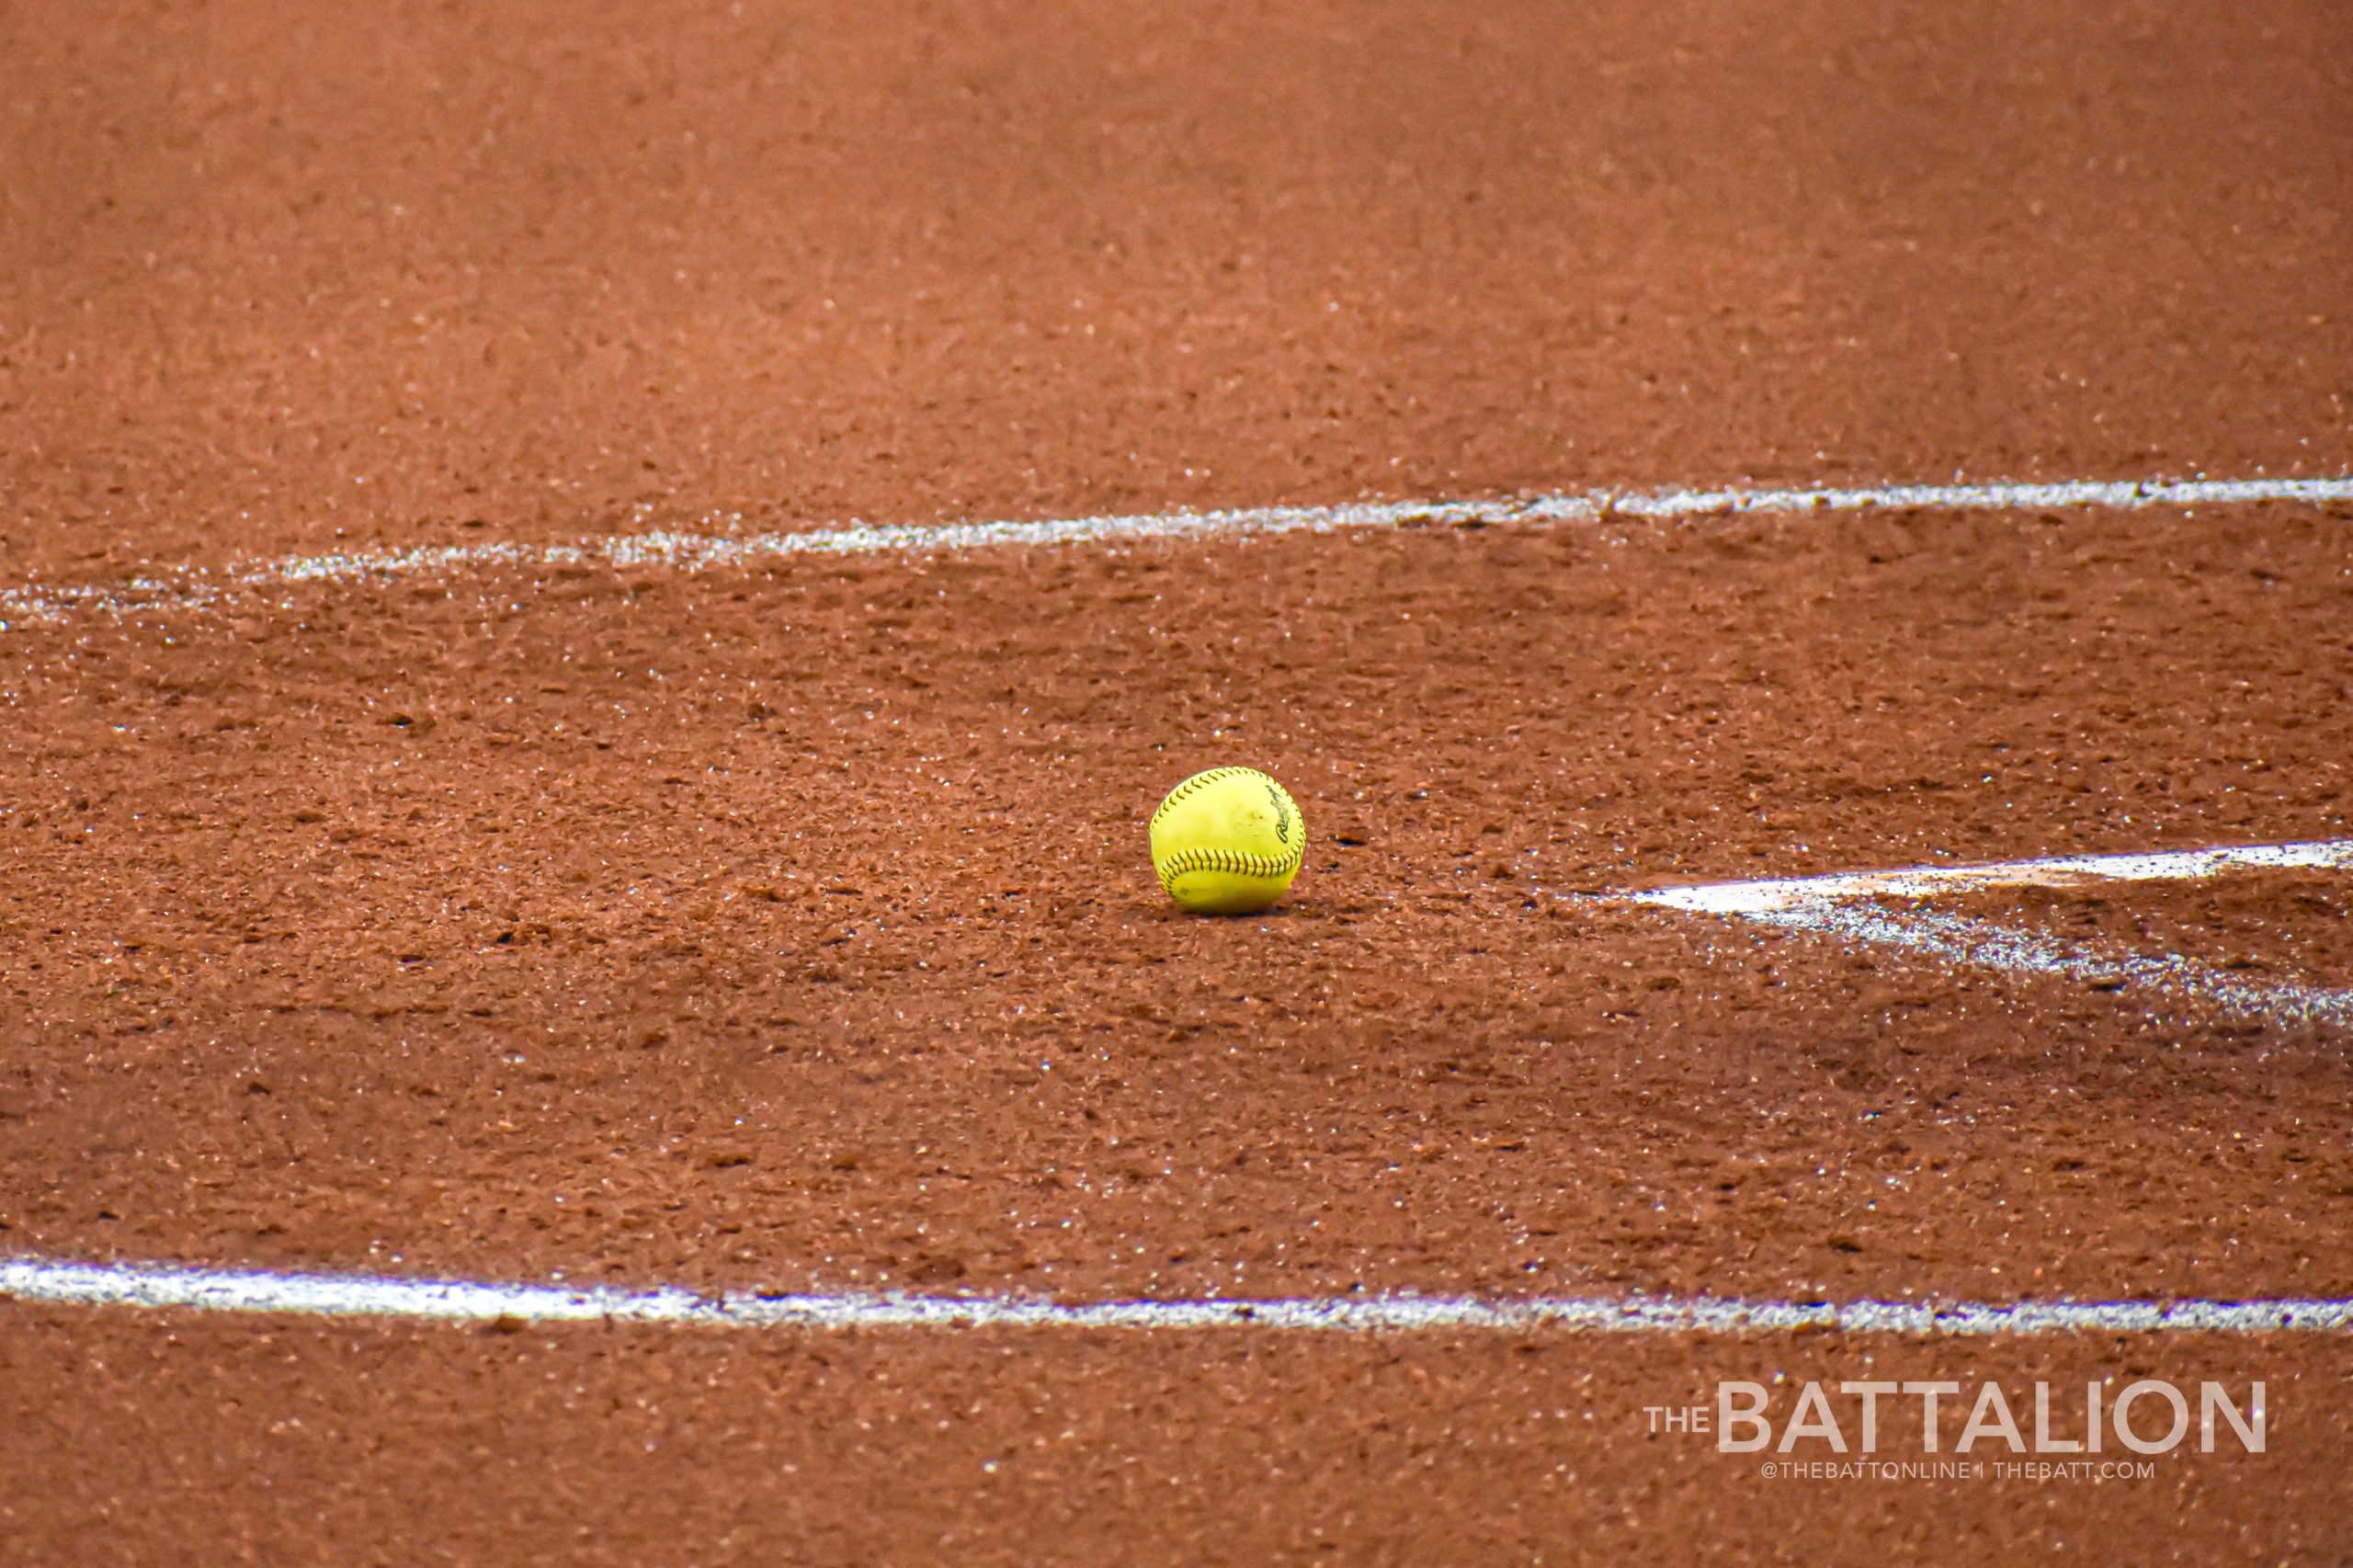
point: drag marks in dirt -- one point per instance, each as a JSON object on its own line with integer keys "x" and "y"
{"x": 168, "y": 1286}
{"x": 1855, "y": 908}
{"x": 196, "y": 588}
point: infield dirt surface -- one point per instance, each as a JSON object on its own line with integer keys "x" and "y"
{"x": 791, "y": 928}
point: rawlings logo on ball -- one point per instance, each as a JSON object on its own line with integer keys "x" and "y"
{"x": 1223, "y": 842}
{"x": 1282, "y": 809}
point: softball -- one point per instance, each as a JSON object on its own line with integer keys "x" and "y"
{"x": 1227, "y": 841}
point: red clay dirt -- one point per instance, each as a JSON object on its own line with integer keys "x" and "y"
{"x": 792, "y": 927}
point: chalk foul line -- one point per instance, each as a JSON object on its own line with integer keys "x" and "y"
{"x": 1853, "y": 906}
{"x": 670, "y": 551}
{"x": 165, "y": 1285}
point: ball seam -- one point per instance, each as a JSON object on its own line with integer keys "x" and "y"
{"x": 1197, "y": 782}
{"x": 1237, "y": 862}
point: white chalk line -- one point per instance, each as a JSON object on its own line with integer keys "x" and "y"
{"x": 1981, "y": 944}
{"x": 165, "y": 1285}
{"x": 2063, "y": 871}
{"x": 199, "y": 588}
{"x": 1837, "y": 905}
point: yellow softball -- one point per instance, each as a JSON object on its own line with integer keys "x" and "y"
{"x": 1227, "y": 841}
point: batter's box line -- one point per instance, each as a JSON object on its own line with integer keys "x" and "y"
{"x": 1855, "y": 907}
{"x": 258, "y": 581}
